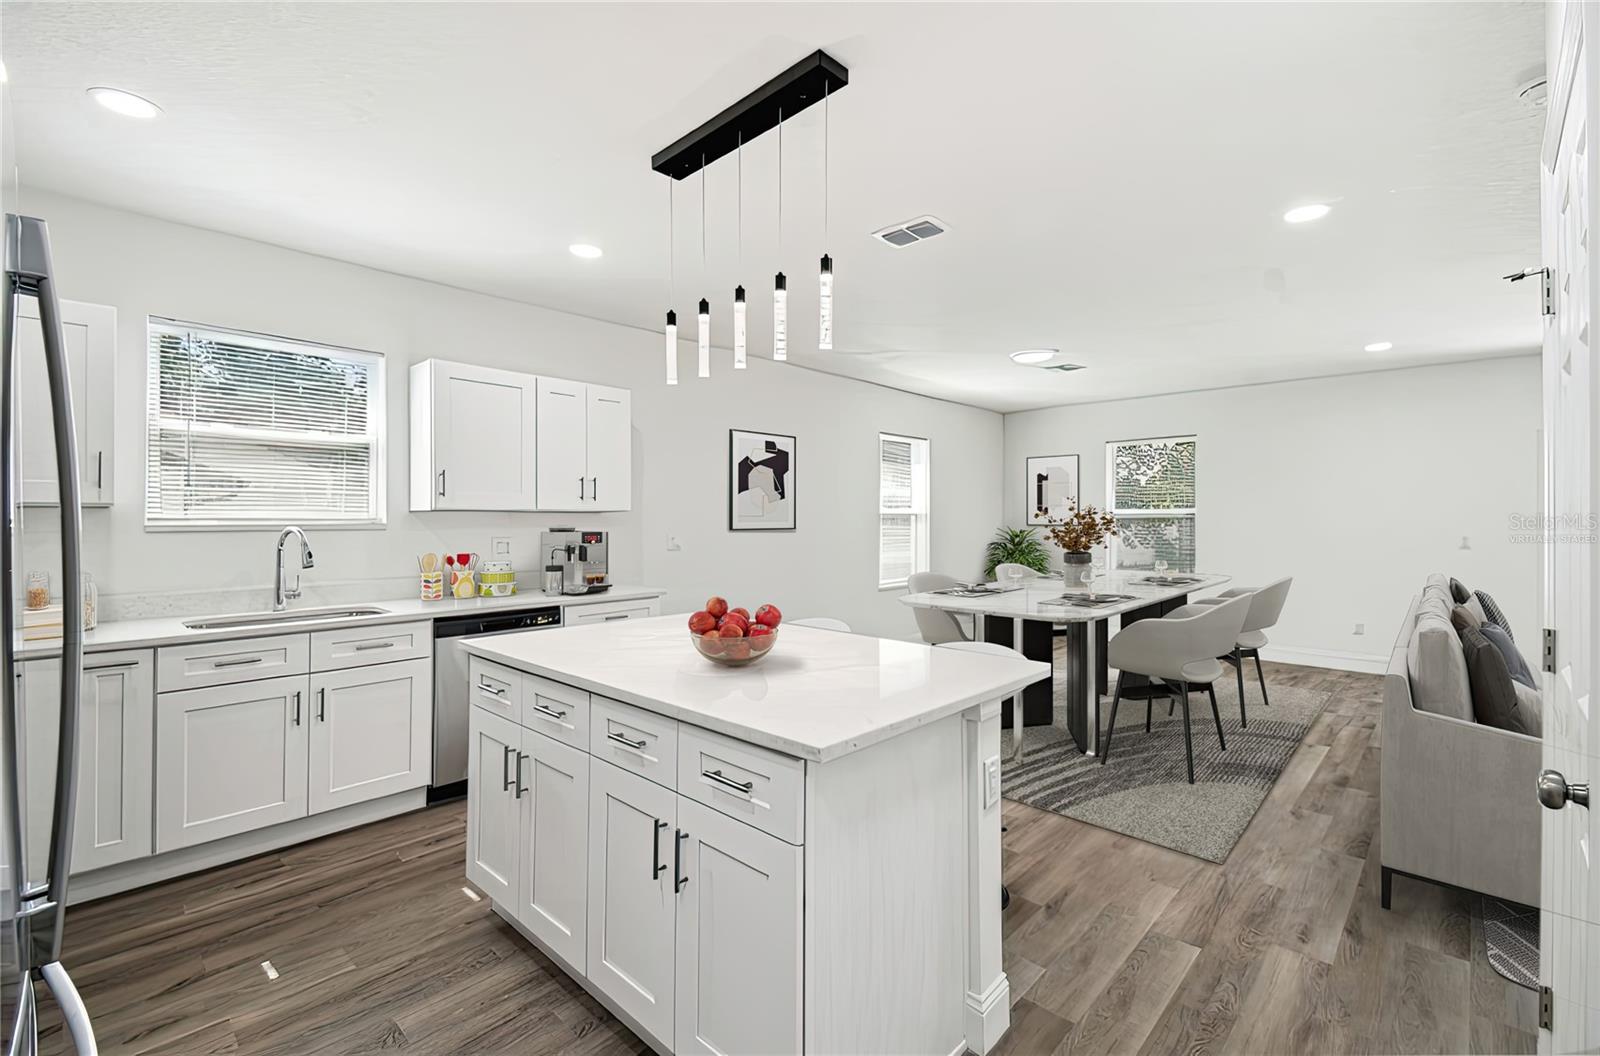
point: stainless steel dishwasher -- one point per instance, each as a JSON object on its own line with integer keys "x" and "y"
{"x": 450, "y": 701}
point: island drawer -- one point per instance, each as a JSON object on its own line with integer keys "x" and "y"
{"x": 556, "y": 710}
{"x": 755, "y": 785}
{"x": 202, "y": 664}
{"x": 361, "y": 646}
{"x": 494, "y": 688}
{"x": 634, "y": 739}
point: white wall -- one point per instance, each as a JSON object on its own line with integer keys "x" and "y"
{"x": 1357, "y": 486}
{"x": 828, "y": 566}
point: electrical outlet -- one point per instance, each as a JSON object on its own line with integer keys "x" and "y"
{"x": 672, "y": 542}
{"x": 991, "y": 781}
{"x": 1361, "y": 628}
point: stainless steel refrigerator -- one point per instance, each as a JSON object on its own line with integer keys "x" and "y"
{"x": 33, "y": 908}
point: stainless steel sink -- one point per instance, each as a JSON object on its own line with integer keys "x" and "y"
{"x": 268, "y": 619}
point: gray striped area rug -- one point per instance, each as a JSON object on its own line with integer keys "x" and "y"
{"x": 1142, "y": 790}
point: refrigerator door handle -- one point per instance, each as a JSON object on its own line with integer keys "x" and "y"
{"x": 72, "y": 1010}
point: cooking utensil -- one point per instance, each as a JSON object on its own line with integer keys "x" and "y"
{"x": 430, "y": 563}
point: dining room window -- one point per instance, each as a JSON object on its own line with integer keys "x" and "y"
{"x": 902, "y": 508}
{"x": 1150, "y": 489}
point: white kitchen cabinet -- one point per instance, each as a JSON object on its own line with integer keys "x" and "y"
{"x": 633, "y": 847}
{"x": 738, "y": 938}
{"x": 472, "y": 437}
{"x": 116, "y": 758}
{"x": 610, "y": 612}
{"x": 585, "y": 446}
{"x": 493, "y": 813}
{"x": 551, "y": 781}
{"x": 90, "y": 334}
{"x": 230, "y": 759}
{"x": 371, "y": 732}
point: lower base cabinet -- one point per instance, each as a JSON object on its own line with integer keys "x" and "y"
{"x": 554, "y": 830}
{"x": 492, "y": 823}
{"x": 371, "y": 732}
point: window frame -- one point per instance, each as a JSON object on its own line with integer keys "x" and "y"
{"x": 921, "y": 534}
{"x": 377, "y": 416}
{"x": 1146, "y": 513}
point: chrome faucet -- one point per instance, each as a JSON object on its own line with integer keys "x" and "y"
{"x": 282, "y": 594}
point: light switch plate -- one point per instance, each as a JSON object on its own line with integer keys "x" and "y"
{"x": 991, "y": 781}
{"x": 500, "y": 547}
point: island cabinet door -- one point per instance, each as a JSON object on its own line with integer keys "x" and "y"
{"x": 371, "y": 732}
{"x": 552, "y": 782}
{"x": 634, "y": 860}
{"x": 739, "y": 938}
{"x": 492, "y": 809}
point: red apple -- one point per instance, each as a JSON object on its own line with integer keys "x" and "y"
{"x": 711, "y": 644}
{"x": 717, "y": 607}
{"x": 759, "y": 644}
{"x": 701, "y": 622}
{"x": 731, "y": 629}
{"x": 738, "y": 649}
{"x": 734, "y": 619}
{"x": 742, "y": 611}
{"x": 758, "y": 630}
{"x": 769, "y": 616}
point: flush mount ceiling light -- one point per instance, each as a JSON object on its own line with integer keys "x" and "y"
{"x": 1378, "y": 346}
{"x": 1032, "y": 357}
{"x": 125, "y": 103}
{"x": 1304, "y": 214}
{"x": 585, "y": 251}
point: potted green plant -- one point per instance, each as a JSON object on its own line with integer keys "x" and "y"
{"x": 1079, "y": 532}
{"x": 1015, "y": 546}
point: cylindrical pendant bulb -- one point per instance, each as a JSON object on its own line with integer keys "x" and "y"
{"x": 672, "y": 348}
{"x": 825, "y": 305}
{"x": 738, "y": 329}
{"x": 780, "y": 318}
{"x": 705, "y": 338}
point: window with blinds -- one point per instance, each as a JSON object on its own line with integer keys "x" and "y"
{"x": 1151, "y": 492}
{"x": 902, "y": 508}
{"x": 244, "y": 429}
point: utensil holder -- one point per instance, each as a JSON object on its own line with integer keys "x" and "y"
{"x": 432, "y": 586}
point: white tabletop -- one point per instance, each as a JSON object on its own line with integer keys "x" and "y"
{"x": 1030, "y": 602}
{"x": 818, "y": 695}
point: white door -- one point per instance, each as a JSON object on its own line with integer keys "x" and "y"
{"x": 1569, "y": 891}
{"x": 483, "y": 438}
{"x": 739, "y": 925}
{"x": 371, "y": 732}
{"x": 610, "y": 432}
{"x": 229, "y": 759}
{"x": 633, "y": 851}
{"x": 552, "y": 782}
{"x": 563, "y": 450}
{"x": 90, "y": 332}
{"x": 116, "y": 758}
{"x": 492, "y": 809}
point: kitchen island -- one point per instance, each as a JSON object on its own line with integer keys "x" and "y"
{"x": 801, "y": 855}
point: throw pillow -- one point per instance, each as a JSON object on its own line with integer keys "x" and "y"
{"x": 1462, "y": 617}
{"x": 1458, "y": 591}
{"x": 1492, "y": 613}
{"x": 1513, "y": 656}
{"x": 1531, "y": 707}
{"x": 1494, "y": 695}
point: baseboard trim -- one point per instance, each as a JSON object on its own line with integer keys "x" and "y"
{"x": 1365, "y": 663}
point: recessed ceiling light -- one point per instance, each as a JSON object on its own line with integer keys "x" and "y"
{"x": 125, "y": 103}
{"x": 1032, "y": 357}
{"x": 584, "y": 250}
{"x": 1302, "y": 214}
{"x": 1378, "y": 346}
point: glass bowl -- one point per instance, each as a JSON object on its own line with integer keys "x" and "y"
{"x": 734, "y": 652}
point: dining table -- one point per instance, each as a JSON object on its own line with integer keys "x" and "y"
{"x": 1027, "y": 615}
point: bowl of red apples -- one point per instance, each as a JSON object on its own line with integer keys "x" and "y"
{"x": 733, "y": 636}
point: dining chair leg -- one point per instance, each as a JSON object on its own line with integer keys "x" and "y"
{"x": 1116, "y": 697}
{"x": 1211, "y": 691}
{"x": 1149, "y": 708}
{"x": 1262, "y": 676}
{"x": 1188, "y": 739}
{"x": 1238, "y": 669}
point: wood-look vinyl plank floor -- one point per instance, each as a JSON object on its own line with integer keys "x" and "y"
{"x": 1111, "y": 945}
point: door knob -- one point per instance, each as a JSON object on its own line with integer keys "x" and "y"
{"x": 1554, "y": 792}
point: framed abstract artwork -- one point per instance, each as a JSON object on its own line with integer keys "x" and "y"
{"x": 761, "y": 481}
{"x": 1051, "y": 486}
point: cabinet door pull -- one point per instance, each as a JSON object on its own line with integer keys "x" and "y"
{"x": 243, "y": 662}
{"x": 580, "y": 489}
{"x": 594, "y": 489}
{"x": 441, "y": 483}
{"x": 544, "y": 709}
{"x": 505, "y": 768}
{"x": 322, "y": 704}
{"x": 99, "y": 470}
{"x": 622, "y": 739}
{"x": 364, "y": 646}
{"x": 744, "y": 788}
{"x": 657, "y": 866}
{"x": 679, "y": 878}
{"x": 297, "y": 707}
{"x": 521, "y": 788}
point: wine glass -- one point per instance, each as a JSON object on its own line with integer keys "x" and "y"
{"x": 1086, "y": 575}
{"x": 1161, "y": 568}
{"x": 1014, "y": 577}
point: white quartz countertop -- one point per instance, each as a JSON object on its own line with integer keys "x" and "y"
{"x": 1039, "y": 599}
{"x": 818, "y": 694}
{"x": 169, "y": 630}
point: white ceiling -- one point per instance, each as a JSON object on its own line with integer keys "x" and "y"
{"x": 1113, "y": 175}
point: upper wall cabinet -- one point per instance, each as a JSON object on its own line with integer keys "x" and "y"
{"x": 90, "y": 331}
{"x": 585, "y": 441}
{"x": 472, "y": 437}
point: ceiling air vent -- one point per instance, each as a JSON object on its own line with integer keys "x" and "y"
{"x": 1065, "y": 368}
{"x": 911, "y": 232}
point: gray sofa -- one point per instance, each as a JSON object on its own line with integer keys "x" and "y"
{"x": 1457, "y": 801}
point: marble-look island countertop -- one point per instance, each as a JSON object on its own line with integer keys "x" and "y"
{"x": 1038, "y": 599}
{"x": 818, "y": 694}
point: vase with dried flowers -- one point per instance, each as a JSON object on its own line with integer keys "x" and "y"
{"x": 1080, "y": 531}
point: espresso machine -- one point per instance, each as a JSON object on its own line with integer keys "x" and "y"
{"x": 579, "y": 557}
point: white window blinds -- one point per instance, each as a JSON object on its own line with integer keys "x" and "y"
{"x": 244, "y": 429}
{"x": 902, "y": 508}
{"x": 1152, "y": 495}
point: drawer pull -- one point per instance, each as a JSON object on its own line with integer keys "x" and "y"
{"x": 616, "y": 616}
{"x": 657, "y": 867}
{"x": 242, "y": 662}
{"x": 109, "y": 667}
{"x": 746, "y": 788}
{"x": 492, "y": 691}
{"x": 364, "y": 646}
{"x": 622, "y": 739}
{"x": 543, "y": 709}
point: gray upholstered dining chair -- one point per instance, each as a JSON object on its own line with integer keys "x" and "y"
{"x": 936, "y": 625}
{"x": 1004, "y": 570}
{"x": 1266, "y": 605}
{"x": 1180, "y": 652}
{"x": 822, "y": 623}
